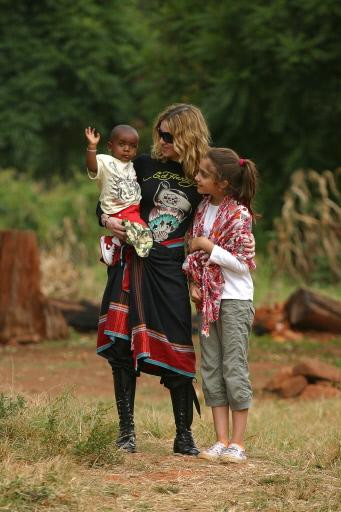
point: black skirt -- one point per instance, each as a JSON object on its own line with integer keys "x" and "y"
{"x": 154, "y": 316}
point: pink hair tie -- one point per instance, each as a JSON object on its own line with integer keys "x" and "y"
{"x": 241, "y": 162}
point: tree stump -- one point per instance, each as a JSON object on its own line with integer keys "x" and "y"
{"x": 25, "y": 314}
{"x": 309, "y": 310}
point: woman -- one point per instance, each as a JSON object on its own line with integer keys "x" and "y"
{"x": 145, "y": 321}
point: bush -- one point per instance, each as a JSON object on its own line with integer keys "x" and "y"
{"x": 62, "y": 214}
{"x": 59, "y": 426}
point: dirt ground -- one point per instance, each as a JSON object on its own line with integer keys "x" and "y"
{"x": 53, "y": 367}
{"x": 153, "y": 479}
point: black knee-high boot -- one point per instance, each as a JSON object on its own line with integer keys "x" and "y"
{"x": 125, "y": 385}
{"x": 182, "y": 401}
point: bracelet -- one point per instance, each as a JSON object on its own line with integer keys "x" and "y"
{"x": 91, "y": 150}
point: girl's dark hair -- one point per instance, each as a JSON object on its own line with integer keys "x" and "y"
{"x": 241, "y": 174}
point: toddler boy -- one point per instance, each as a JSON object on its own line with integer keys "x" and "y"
{"x": 120, "y": 193}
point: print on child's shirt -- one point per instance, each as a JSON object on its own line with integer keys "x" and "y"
{"x": 125, "y": 189}
{"x": 171, "y": 208}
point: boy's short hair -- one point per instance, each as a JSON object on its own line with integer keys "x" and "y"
{"x": 122, "y": 127}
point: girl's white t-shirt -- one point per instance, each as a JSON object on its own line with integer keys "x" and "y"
{"x": 238, "y": 282}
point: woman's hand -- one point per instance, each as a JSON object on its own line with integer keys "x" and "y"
{"x": 200, "y": 243}
{"x": 195, "y": 293}
{"x": 249, "y": 245}
{"x": 114, "y": 226}
{"x": 92, "y": 137}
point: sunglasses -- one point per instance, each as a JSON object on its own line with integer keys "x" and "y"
{"x": 166, "y": 136}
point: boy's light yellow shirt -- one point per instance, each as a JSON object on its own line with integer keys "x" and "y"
{"x": 117, "y": 183}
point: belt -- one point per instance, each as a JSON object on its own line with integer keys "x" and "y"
{"x": 175, "y": 242}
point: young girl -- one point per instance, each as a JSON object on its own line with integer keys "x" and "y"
{"x": 221, "y": 286}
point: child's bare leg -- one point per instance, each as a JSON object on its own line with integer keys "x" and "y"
{"x": 239, "y": 419}
{"x": 221, "y": 423}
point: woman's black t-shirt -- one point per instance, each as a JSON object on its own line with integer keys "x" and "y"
{"x": 169, "y": 198}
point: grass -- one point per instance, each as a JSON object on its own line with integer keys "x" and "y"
{"x": 58, "y": 454}
{"x": 272, "y": 285}
{"x": 57, "y": 428}
{"x": 265, "y": 348}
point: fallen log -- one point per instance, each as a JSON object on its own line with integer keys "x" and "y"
{"x": 309, "y": 378}
{"x": 277, "y": 380}
{"x": 316, "y": 391}
{"x": 25, "y": 315}
{"x": 316, "y": 369}
{"x": 292, "y": 386}
{"x": 82, "y": 316}
{"x": 309, "y": 310}
{"x": 269, "y": 319}
{"x": 272, "y": 319}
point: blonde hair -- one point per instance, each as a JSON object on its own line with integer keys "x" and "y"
{"x": 190, "y": 133}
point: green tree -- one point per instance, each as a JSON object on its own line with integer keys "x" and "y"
{"x": 266, "y": 74}
{"x": 64, "y": 65}
{"x": 279, "y": 84}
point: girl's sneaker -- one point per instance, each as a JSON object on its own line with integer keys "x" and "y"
{"x": 234, "y": 453}
{"x": 214, "y": 452}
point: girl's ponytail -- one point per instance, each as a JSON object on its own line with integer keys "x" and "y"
{"x": 249, "y": 178}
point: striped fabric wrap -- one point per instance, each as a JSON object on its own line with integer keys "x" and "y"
{"x": 157, "y": 328}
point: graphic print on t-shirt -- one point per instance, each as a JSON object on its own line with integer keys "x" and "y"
{"x": 124, "y": 190}
{"x": 171, "y": 208}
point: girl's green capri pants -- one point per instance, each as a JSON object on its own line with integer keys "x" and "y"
{"x": 224, "y": 366}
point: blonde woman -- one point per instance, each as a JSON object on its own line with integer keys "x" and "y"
{"x": 145, "y": 321}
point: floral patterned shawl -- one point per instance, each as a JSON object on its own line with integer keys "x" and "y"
{"x": 232, "y": 221}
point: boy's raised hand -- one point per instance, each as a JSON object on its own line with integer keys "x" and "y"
{"x": 90, "y": 134}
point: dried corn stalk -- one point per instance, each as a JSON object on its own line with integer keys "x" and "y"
{"x": 60, "y": 273}
{"x": 308, "y": 233}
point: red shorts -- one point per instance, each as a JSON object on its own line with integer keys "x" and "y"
{"x": 131, "y": 213}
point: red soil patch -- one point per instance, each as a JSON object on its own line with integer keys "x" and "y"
{"x": 53, "y": 367}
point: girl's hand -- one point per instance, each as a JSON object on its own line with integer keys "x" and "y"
{"x": 114, "y": 226}
{"x": 249, "y": 245}
{"x": 92, "y": 137}
{"x": 195, "y": 293}
{"x": 200, "y": 243}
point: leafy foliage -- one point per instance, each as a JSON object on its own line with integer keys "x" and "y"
{"x": 267, "y": 76}
{"x": 10, "y": 406}
{"x": 59, "y": 426}
{"x": 60, "y": 213}
{"x": 64, "y": 66}
{"x": 99, "y": 448}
